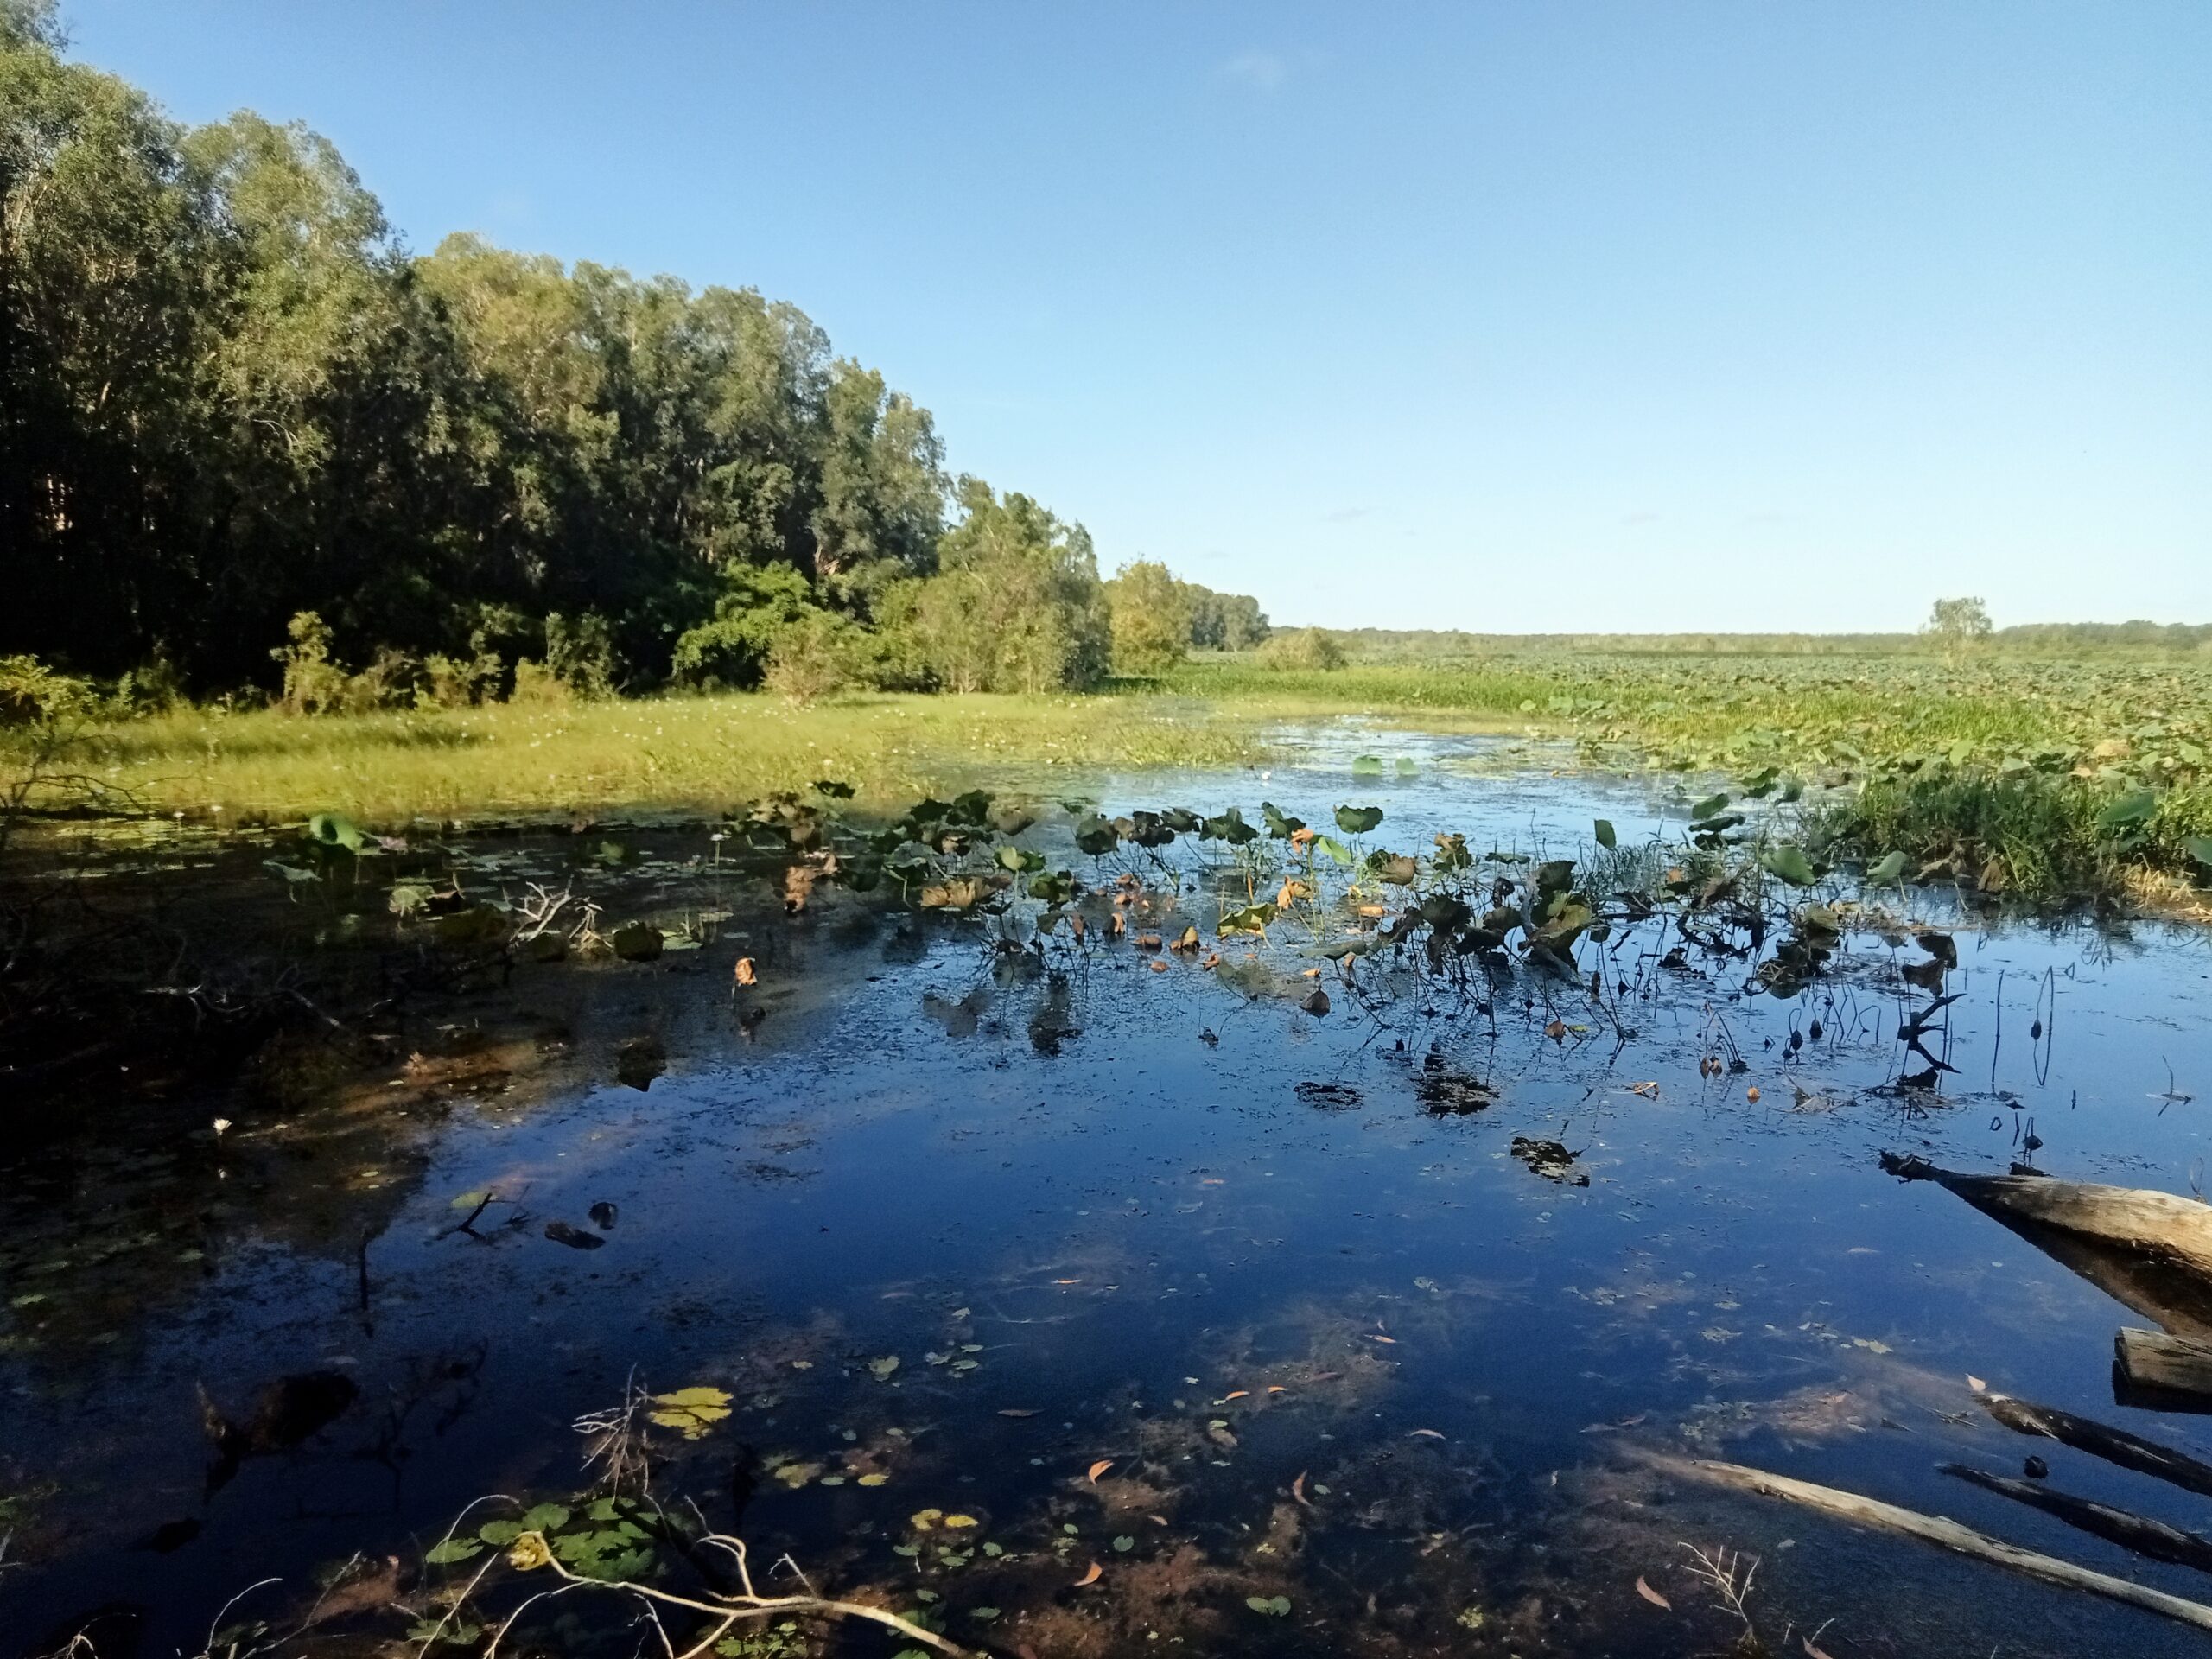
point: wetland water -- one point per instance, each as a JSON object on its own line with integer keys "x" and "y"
{"x": 1347, "y": 1332}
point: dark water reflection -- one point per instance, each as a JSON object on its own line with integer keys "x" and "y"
{"x": 1101, "y": 1196}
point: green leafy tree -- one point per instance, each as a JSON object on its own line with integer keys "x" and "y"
{"x": 882, "y": 487}
{"x": 758, "y": 605}
{"x": 1151, "y": 617}
{"x": 1958, "y": 624}
{"x": 1224, "y": 621}
{"x": 1017, "y": 605}
{"x": 230, "y": 396}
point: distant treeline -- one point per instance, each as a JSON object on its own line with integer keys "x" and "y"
{"x": 1424, "y": 645}
{"x": 235, "y": 411}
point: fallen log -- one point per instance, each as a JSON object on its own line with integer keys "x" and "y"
{"x": 2114, "y": 1446}
{"x": 1939, "y": 1530}
{"x": 2131, "y": 1531}
{"x": 2158, "y": 1365}
{"x": 2151, "y": 1252}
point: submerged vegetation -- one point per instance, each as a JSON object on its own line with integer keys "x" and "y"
{"x": 1344, "y": 919}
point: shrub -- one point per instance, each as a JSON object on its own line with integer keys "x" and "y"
{"x": 31, "y": 693}
{"x": 459, "y": 682}
{"x": 822, "y": 654}
{"x": 536, "y": 683}
{"x": 313, "y": 684}
{"x": 758, "y": 603}
{"x": 393, "y": 679}
{"x": 1307, "y": 648}
{"x": 580, "y": 655}
{"x": 154, "y": 689}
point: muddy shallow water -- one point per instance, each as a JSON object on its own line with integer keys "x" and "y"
{"x": 1286, "y": 1273}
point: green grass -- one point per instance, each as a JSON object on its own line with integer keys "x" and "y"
{"x": 679, "y": 753}
{"x": 2004, "y": 766}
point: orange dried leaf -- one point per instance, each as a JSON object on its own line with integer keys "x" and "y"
{"x": 1100, "y": 1468}
{"x": 1655, "y": 1597}
{"x": 1096, "y": 1574}
{"x": 1237, "y": 1393}
{"x": 744, "y": 973}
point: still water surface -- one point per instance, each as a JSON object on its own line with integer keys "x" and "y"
{"x": 1338, "y": 1341}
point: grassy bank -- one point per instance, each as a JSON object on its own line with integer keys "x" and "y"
{"x": 681, "y": 752}
{"x": 2040, "y": 775}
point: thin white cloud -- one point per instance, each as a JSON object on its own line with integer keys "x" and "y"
{"x": 1641, "y": 516}
{"x": 1263, "y": 70}
{"x": 1345, "y": 515}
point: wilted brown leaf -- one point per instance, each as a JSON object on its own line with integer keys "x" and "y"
{"x": 1092, "y": 1577}
{"x": 746, "y": 974}
{"x": 1654, "y": 1597}
{"x": 1298, "y": 1490}
{"x": 1100, "y": 1468}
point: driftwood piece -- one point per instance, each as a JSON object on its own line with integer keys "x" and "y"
{"x": 2151, "y": 1252}
{"x": 1939, "y": 1530}
{"x": 2131, "y": 1531}
{"x": 2157, "y": 1364}
{"x": 2114, "y": 1446}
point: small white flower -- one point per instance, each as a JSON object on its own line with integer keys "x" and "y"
{"x": 221, "y": 1123}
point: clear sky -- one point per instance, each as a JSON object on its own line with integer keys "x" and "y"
{"x": 1710, "y": 316}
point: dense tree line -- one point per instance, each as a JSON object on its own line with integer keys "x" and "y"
{"x": 232, "y": 404}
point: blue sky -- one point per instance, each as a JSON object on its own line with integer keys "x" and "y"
{"x": 1506, "y": 316}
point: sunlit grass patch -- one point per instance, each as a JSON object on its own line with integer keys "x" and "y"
{"x": 703, "y": 752}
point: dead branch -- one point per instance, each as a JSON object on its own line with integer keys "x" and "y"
{"x": 2114, "y": 1446}
{"x": 1939, "y": 1530}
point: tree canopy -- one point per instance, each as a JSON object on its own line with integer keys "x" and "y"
{"x": 230, "y": 396}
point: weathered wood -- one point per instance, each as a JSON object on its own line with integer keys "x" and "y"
{"x": 2154, "y": 1361}
{"x": 2131, "y": 1531}
{"x": 2114, "y": 1446}
{"x": 1939, "y": 1530}
{"x": 2151, "y": 1252}
{"x": 2157, "y": 1223}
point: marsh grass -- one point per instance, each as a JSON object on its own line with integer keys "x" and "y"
{"x": 703, "y": 752}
